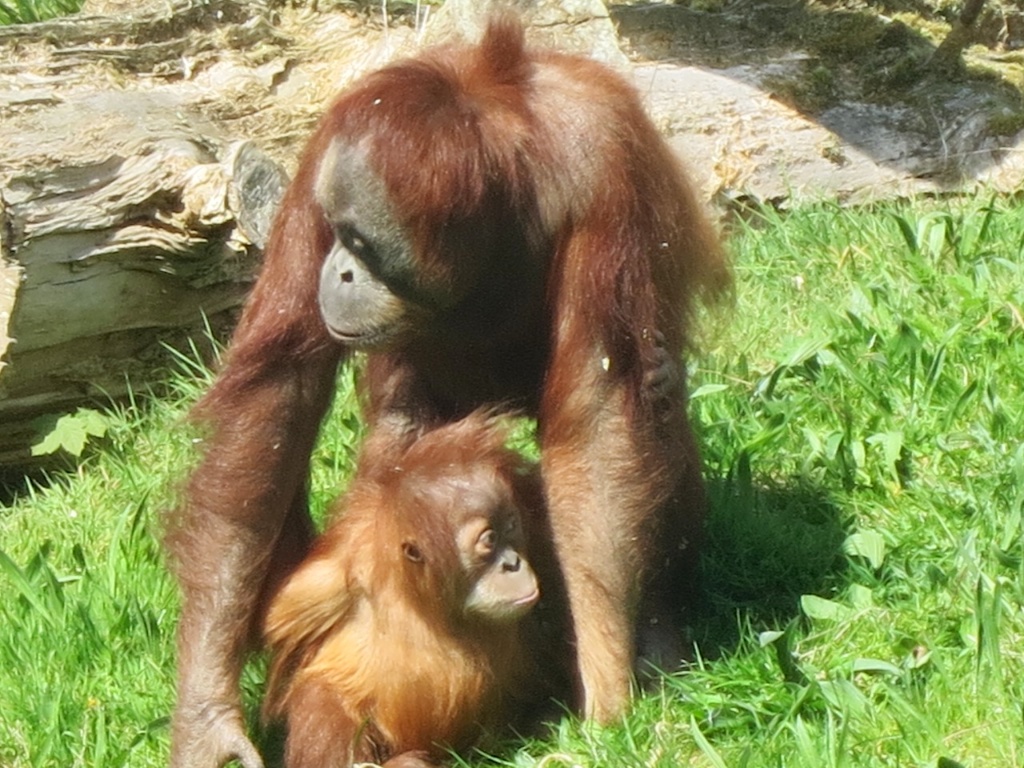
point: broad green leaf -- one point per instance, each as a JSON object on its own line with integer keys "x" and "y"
{"x": 822, "y": 609}
{"x": 860, "y": 597}
{"x": 71, "y": 432}
{"x": 708, "y": 389}
{"x": 867, "y": 544}
{"x": 875, "y": 665}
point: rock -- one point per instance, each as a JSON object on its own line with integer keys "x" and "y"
{"x": 574, "y": 26}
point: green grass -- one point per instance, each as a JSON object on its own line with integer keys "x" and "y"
{"x": 861, "y": 420}
{"x": 24, "y": 11}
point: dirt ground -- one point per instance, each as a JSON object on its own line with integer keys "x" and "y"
{"x": 762, "y": 99}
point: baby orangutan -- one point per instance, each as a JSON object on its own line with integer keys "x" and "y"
{"x": 406, "y": 630}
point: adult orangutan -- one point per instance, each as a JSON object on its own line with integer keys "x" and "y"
{"x": 494, "y": 226}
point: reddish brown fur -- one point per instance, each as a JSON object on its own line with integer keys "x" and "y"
{"x": 595, "y": 247}
{"x": 373, "y": 655}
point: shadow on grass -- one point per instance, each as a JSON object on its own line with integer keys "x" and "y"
{"x": 17, "y": 483}
{"x": 766, "y": 546}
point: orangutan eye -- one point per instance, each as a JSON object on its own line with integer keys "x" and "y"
{"x": 353, "y": 241}
{"x": 486, "y": 543}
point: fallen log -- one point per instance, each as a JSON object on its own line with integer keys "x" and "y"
{"x": 127, "y": 227}
{"x": 130, "y": 223}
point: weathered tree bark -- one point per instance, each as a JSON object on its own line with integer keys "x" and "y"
{"x": 128, "y": 224}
